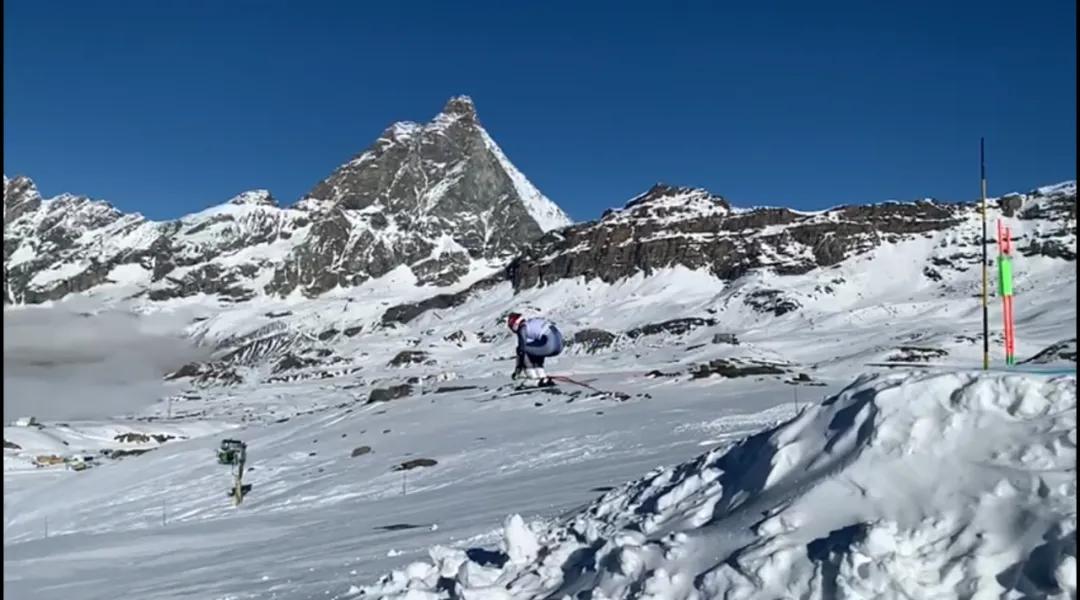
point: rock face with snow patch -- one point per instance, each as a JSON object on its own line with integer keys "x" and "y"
{"x": 1061, "y": 352}
{"x": 434, "y": 198}
{"x": 672, "y": 226}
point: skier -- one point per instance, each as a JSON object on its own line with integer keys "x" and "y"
{"x": 537, "y": 339}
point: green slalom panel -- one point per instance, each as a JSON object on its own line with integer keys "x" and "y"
{"x": 1005, "y": 284}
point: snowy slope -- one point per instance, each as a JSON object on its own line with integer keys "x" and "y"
{"x": 321, "y": 523}
{"x": 901, "y": 486}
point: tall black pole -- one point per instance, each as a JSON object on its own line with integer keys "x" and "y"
{"x": 985, "y": 259}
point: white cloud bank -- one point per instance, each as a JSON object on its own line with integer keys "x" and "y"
{"x": 62, "y": 363}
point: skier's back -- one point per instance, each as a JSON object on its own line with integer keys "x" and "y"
{"x": 537, "y": 339}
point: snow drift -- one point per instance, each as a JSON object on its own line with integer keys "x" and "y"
{"x": 901, "y": 486}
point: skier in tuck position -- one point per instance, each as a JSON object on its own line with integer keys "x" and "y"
{"x": 537, "y": 339}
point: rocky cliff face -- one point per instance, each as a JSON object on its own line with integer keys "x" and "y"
{"x": 438, "y": 198}
{"x": 671, "y": 226}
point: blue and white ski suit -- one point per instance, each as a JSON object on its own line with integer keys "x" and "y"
{"x": 538, "y": 339}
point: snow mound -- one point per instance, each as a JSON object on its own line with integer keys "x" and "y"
{"x": 901, "y": 486}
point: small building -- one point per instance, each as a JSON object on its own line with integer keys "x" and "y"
{"x": 26, "y": 422}
{"x": 49, "y": 460}
{"x": 725, "y": 338}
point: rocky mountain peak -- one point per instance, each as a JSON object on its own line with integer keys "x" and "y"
{"x": 20, "y": 197}
{"x": 665, "y": 202}
{"x": 445, "y": 176}
{"x": 254, "y": 198}
{"x": 460, "y": 106}
{"x": 672, "y": 194}
{"x": 661, "y": 190}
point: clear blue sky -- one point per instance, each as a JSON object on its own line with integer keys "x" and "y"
{"x": 168, "y": 107}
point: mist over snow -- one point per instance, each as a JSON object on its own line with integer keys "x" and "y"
{"x": 66, "y": 362}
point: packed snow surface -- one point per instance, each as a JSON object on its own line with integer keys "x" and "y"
{"x": 901, "y": 486}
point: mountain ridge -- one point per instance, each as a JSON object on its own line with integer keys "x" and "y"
{"x": 692, "y": 227}
{"x": 440, "y": 198}
{"x": 661, "y": 211}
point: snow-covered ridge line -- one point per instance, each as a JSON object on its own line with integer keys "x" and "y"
{"x": 698, "y": 199}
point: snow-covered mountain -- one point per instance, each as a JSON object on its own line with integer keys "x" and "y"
{"x": 439, "y": 198}
{"x": 670, "y": 226}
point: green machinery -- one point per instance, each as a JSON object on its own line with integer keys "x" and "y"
{"x": 234, "y": 454}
